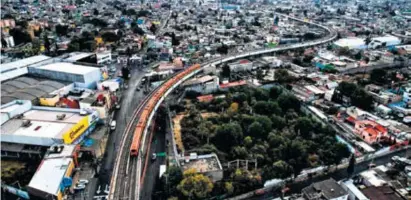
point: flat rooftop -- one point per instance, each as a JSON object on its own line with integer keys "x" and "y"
{"x": 202, "y": 163}
{"x": 49, "y": 175}
{"x": 68, "y": 68}
{"x": 45, "y": 128}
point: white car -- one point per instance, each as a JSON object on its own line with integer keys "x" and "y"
{"x": 79, "y": 187}
{"x": 82, "y": 182}
{"x": 113, "y": 125}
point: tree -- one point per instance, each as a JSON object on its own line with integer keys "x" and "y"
{"x": 95, "y": 11}
{"x": 222, "y": 49}
{"x": 260, "y": 74}
{"x": 228, "y": 135}
{"x": 73, "y": 46}
{"x": 98, "y": 22}
{"x": 61, "y": 30}
{"x": 205, "y": 130}
{"x": 153, "y": 28}
{"x": 138, "y": 30}
{"x": 36, "y": 46}
{"x": 110, "y": 37}
{"x": 47, "y": 43}
{"x": 229, "y": 188}
{"x": 361, "y": 99}
{"x": 278, "y": 122}
{"x": 275, "y": 139}
{"x": 20, "y": 36}
{"x": 378, "y": 76}
{"x": 358, "y": 56}
{"x": 195, "y": 185}
{"x": 287, "y": 101}
{"x": 351, "y": 165}
{"x": 248, "y": 141}
{"x": 256, "y": 130}
{"x": 275, "y": 92}
{"x": 282, "y": 76}
{"x": 233, "y": 108}
{"x": 304, "y": 127}
{"x": 226, "y": 71}
{"x": 266, "y": 108}
{"x": 239, "y": 152}
{"x": 174, "y": 177}
{"x": 279, "y": 169}
{"x": 133, "y": 24}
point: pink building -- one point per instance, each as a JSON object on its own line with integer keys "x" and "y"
{"x": 370, "y": 131}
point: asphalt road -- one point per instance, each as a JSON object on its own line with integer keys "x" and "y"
{"x": 130, "y": 100}
{"x": 158, "y": 145}
{"x": 337, "y": 175}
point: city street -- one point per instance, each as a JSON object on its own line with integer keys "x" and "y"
{"x": 131, "y": 98}
{"x": 153, "y": 166}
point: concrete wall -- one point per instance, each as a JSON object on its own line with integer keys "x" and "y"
{"x": 56, "y": 75}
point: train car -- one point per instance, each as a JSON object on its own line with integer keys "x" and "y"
{"x": 151, "y": 103}
{"x": 135, "y": 145}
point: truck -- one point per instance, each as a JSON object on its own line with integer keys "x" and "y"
{"x": 162, "y": 170}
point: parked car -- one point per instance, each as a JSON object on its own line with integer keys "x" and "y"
{"x": 153, "y": 156}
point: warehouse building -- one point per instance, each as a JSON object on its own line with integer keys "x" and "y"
{"x": 82, "y": 76}
{"x": 351, "y": 43}
{"x": 28, "y": 88}
{"x": 24, "y": 125}
{"x": 17, "y": 68}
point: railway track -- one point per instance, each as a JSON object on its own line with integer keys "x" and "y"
{"x": 126, "y": 171}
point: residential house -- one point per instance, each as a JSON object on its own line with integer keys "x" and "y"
{"x": 242, "y": 65}
{"x": 370, "y": 131}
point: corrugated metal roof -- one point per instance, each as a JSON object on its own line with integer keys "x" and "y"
{"x": 8, "y": 88}
{"x": 30, "y": 81}
{"x": 54, "y": 84}
{"x": 35, "y": 92}
{"x": 17, "y": 84}
{"x": 46, "y": 88}
{"x": 27, "y": 88}
{"x": 7, "y": 99}
{"x": 23, "y": 95}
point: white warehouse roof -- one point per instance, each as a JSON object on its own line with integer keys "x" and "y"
{"x": 68, "y": 68}
{"x": 351, "y": 43}
{"x": 386, "y": 38}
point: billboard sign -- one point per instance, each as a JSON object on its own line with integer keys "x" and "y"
{"x": 76, "y": 130}
{"x": 90, "y": 129}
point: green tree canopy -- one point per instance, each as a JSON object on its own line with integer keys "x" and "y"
{"x": 195, "y": 185}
